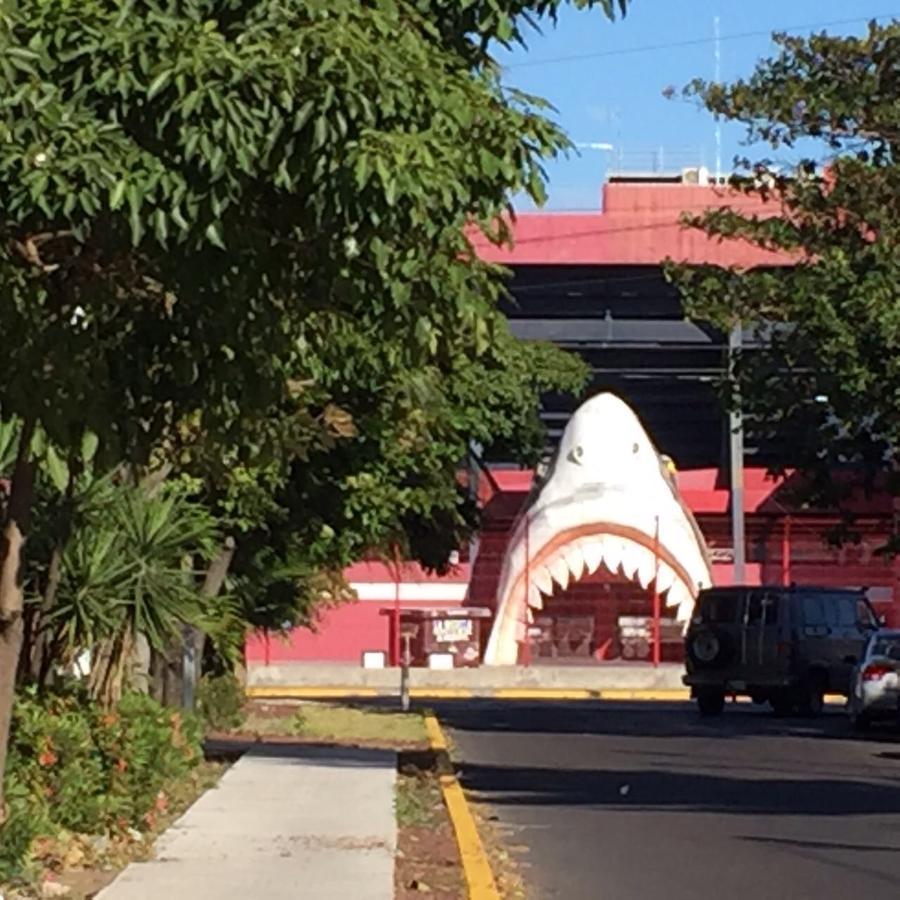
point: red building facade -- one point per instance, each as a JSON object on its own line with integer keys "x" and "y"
{"x": 639, "y": 226}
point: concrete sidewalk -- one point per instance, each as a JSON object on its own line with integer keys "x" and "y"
{"x": 286, "y": 821}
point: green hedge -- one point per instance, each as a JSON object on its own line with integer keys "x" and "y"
{"x": 74, "y": 767}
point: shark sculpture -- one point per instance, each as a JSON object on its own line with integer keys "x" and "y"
{"x": 608, "y": 498}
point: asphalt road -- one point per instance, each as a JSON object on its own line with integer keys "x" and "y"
{"x": 618, "y": 801}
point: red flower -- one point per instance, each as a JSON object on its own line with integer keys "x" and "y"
{"x": 47, "y": 757}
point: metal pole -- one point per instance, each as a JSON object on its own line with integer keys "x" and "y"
{"x": 736, "y": 464}
{"x": 786, "y": 551}
{"x": 657, "y": 648}
{"x": 395, "y": 638}
{"x": 404, "y": 675}
{"x": 475, "y": 450}
{"x": 527, "y": 648}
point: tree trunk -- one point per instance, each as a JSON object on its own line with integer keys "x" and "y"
{"x": 109, "y": 669}
{"x": 41, "y": 640}
{"x": 212, "y": 585}
{"x": 15, "y": 528}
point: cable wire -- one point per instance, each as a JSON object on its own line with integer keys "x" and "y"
{"x": 693, "y": 42}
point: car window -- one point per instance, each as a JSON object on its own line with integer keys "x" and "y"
{"x": 889, "y": 647}
{"x": 815, "y": 610}
{"x": 762, "y": 608}
{"x": 846, "y": 608}
{"x": 864, "y": 614}
{"x": 721, "y": 607}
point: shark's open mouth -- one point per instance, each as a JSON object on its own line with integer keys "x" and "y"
{"x": 608, "y": 501}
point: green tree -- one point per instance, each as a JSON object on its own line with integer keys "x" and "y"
{"x": 826, "y": 376}
{"x": 184, "y": 184}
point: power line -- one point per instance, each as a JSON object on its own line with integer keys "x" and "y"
{"x": 694, "y": 42}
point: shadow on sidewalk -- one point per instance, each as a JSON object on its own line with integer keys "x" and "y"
{"x": 230, "y": 749}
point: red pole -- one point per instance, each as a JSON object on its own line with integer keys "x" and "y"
{"x": 786, "y": 551}
{"x": 395, "y": 618}
{"x": 526, "y": 655}
{"x": 657, "y": 649}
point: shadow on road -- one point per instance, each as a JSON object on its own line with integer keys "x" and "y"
{"x": 662, "y": 790}
{"x": 643, "y": 720}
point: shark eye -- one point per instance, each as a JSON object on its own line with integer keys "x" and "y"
{"x": 635, "y": 447}
{"x": 576, "y": 453}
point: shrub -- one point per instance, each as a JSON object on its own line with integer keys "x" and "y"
{"x": 220, "y": 702}
{"x": 74, "y": 767}
{"x": 144, "y": 746}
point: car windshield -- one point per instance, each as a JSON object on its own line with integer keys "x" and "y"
{"x": 888, "y": 647}
{"x": 721, "y": 607}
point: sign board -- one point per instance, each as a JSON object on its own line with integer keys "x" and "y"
{"x": 450, "y": 631}
{"x": 721, "y": 554}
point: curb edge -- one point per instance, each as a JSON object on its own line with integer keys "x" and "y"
{"x": 479, "y": 878}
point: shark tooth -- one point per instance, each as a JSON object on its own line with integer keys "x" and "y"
{"x": 535, "y": 598}
{"x": 575, "y": 561}
{"x": 665, "y": 578}
{"x": 613, "y": 548}
{"x": 631, "y": 559}
{"x": 559, "y": 569}
{"x": 685, "y": 610}
{"x": 679, "y": 595}
{"x": 646, "y": 570}
{"x": 541, "y": 578}
{"x": 592, "y": 551}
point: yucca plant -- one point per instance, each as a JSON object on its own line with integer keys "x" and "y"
{"x": 134, "y": 567}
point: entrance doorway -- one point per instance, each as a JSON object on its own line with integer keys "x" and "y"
{"x": 604, "y": 617}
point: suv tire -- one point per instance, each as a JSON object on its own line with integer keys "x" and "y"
{"x": 711, "y": 702}
{"x": 811, "y": 696}
{"x": 782, "y": 704}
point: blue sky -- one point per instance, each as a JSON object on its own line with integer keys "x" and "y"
{"x": 618, "y": 97}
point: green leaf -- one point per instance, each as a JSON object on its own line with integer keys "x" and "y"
{"x": 56, "y": 469}
{"x": 158, "y": 83}
{"x": 214, "y": 235}
{"x": 89, "y": 444}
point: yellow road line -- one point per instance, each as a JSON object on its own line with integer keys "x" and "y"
{"x": 480, "y": 884}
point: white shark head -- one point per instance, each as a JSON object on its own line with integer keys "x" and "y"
{"x": 608, "y": 498}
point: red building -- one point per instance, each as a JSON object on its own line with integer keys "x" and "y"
{"x": 593, "y": 283}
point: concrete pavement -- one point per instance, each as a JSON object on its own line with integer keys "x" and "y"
{"x": 286, "y": 821}
{"x": 649, "y": 801}
{"x": 506, "y": 682}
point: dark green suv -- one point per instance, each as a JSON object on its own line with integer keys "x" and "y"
{"x": 787, "y": 646}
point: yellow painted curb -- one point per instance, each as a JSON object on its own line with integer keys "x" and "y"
{"x": 672, "y": 694}
{"x": 480, "y": 884}
{"x": 544, "y": 694}
{"x": 302, "y": 693}
{"x": 445, "y": 693}
{"x": 436, "y": 739}
{"x": 665, "y": 695}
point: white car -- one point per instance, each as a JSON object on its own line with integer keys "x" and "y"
{"x": 875, "y": 688}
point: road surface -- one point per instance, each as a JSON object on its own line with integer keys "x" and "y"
{"x": 618, "y": 801}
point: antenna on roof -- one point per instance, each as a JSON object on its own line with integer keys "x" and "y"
{"x": 718, "y": 56}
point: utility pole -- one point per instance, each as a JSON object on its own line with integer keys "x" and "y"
{"x": 736, "y": 461}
